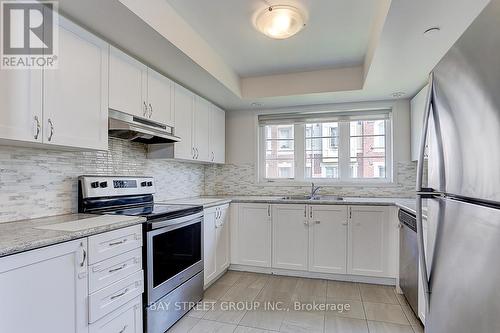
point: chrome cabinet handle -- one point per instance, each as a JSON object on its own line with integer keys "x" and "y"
{"x": 269, "y": 210}
{"x": 310, "y": 212}
{"x": 305, "y": 211}
{"x": 51, "y": 129}
{"x": 37, "y": 127}
{"x": 213, "y": 156}
{"x": 123, "y": 329}
{"x": 84, "y": 256}
{"x": 117, "y": 243}
{"x": 420, "y": 171}
{"x": 150, "y": 110}
{"x": 145, "y": 111}
{"x": 197, "y": 153}
{"x": 117, "y": 269}
{"x": 193, "y": 152}
{"x": 119, "y": 295}
{"x": 317, "y": 222}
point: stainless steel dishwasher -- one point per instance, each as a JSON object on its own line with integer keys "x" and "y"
{"x": 408, "y": 258}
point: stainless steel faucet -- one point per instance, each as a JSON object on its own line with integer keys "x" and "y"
{"x": 314, "y": 190}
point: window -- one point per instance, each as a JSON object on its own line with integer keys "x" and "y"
{"x": 367, "y": 148}
{"x": 346, "y": 148}
{"x": 280, "y": 157}
{"x": 320, "y": 154}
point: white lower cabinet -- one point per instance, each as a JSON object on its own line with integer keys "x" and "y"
{"x": 290, "y": 236}
{"x": 216, "y": 242}
{"x": 209, "y": 244}
{"x": 126, "y": 319}
{"x": 251, "y": 235}
{"x": 372, "y": 242}
{"x": 331, "y": 239}
{"x": 116, "y": 281}
{"x": 328, "y": 239}
{"x": 45, "y": 290}
{"x": 222, "y": 249}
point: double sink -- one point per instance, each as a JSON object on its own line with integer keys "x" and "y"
{"x": 315, "y": 197}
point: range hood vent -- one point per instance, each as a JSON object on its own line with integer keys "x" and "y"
{"x": 127, "y": 127}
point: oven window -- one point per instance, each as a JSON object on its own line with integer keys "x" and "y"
{"x": 174, "y": 251}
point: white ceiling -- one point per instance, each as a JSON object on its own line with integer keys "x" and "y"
{"x": 210, "y": 47}
{"x": 336, "y": 36}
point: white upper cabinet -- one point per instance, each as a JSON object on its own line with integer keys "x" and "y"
{"x": 372, "y": 241}
{"x": 138, "y": 90}
{"x": 201, "y": 129}
{"x": 48, "y": 286}
{"x": 417, "y": 105}
{"x": 217, "y": 135}
{"x": 159, "y": 98}
{"x": 127, "y": 80}
{"x": 66, "y": 106}
{"x": 21, "y": 105}
{"x": 328, "y": 239}
{"x": 290, "y": 236}
{"x": 251, "y": 235}
{"x": 75, "y": 96}
{"x": 183, "y": 108}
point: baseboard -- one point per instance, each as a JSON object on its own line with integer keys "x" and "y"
{"x": 313, "y": 275}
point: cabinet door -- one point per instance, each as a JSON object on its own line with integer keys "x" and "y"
{"x": 209, "y": 244}
{"x": 290, "y": 236}
{"x": 369, "y": 241}
{"x": 45, "y": 290}
{"x": 76, "y": 94}
{"x": 251, "y": 235}
{"x": 201, "y": 133}
{"x": 21, "y": 105}
{"x": 222, "y": 252}
{"x": 159, "y": 98}
{"x": 328, "y": 239}
{"x": 183, "y": 110}
{"x": 126, "y": 84}
{"x": 217, "y": 135}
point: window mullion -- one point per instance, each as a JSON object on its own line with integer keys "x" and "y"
{"x": 299, "y": 143}
{"x": 344, "y": 173}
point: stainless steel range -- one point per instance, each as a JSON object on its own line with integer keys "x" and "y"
{"x": 173, "y": 243}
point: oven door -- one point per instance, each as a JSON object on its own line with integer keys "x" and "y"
{"x": 174, "y": 254}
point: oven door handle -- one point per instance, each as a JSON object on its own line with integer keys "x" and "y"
{"x": 173, "y": 224}
{"x": 152, "y": 233}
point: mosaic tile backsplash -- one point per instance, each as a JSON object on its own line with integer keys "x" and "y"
{"x": 39, "y": 182}
{"x": 233, "y": 179}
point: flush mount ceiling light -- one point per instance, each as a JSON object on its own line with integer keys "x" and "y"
{"x": 280, "y": 21}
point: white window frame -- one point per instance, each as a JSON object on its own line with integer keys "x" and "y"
{"x": 344, "y": 159}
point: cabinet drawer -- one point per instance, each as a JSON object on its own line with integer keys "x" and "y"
{"x": 114, "y": 296}
{"x": 113, "y": 243}
{"x": 126, "y": 319}
{"x": 111, "y": 270}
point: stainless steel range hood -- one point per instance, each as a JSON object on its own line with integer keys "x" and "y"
{"x": 127, "y": 127}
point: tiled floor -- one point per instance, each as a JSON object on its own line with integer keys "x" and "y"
{"x": 354, "y": 307}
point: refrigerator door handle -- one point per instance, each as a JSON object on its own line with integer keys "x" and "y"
{"x": 420, "y": 171}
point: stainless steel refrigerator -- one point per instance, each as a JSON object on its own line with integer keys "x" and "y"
{"x": 462, "y": 126}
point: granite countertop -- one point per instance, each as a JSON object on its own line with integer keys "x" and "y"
{"x": 24, "y": 235}
{"x": 407, "y": 204}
